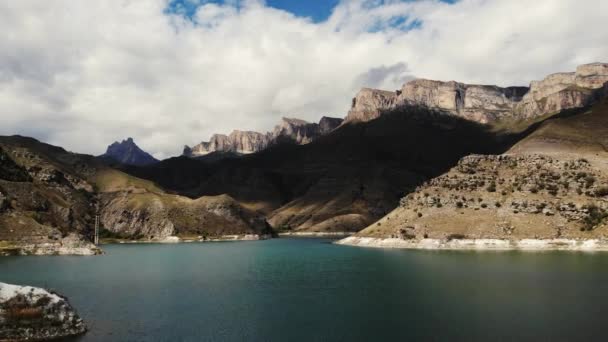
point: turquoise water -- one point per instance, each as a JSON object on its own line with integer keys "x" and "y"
{"x": 311, "y": 290}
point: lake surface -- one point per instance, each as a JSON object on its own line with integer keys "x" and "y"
{"x": 311, "y": 290}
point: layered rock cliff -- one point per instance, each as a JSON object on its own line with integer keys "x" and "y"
{"x": 489, "y": 104}
{"x": 241, "y": 142}
{"x": 245, "y": 142}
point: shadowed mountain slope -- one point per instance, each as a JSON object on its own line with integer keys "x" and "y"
{"x": 342, "y": 181}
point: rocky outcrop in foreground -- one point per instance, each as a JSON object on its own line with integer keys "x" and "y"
{"x": 489, "y": 104}
{"x": 245, "y": 142}
{"x": 32, "y": 314}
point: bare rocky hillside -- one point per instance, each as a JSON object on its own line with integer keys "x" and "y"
{"x": 552, "y": 184}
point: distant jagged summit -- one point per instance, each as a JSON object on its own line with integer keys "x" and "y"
{"x": 487, "y": 103}
{"x": 245, "y": 142}
{"x": 127, "y": 152}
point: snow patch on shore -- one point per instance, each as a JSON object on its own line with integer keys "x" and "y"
{"x": 8, "y": 291}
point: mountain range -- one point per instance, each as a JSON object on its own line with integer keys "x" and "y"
{"x": 434, "y": 160}
{"x": 295, "y": 131}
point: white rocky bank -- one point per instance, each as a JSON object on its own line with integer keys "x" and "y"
{"x": 72, "y": 244}
{"x": 479, "y": 244}
{"x": 177, "y": 239}
{"x": 32, "y": 314}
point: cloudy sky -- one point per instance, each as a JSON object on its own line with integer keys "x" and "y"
{"x": 82, "y": 74}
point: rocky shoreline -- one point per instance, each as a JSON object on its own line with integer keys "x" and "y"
{"x": 177, "y": 239}
{"x": 33, "y": 314}
{"x": 70, "y": 245}
{"x": 587, "y": 245}
{"x": 316, "y": 234}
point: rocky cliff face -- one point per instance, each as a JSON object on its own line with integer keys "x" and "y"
{"x": 489, "y": 104}
{"x": 155, "y": 216}
{"x": 327, "y": 124}
{"x": 34, "y": 314}
{"x": 562, "y": 91}
{"x": 245, "y": 142}
{"x": 44, "y": 208}
{"x": 241, "y": 142}
{"x": 127, "y": 152}
{"x": 369, "y": 104}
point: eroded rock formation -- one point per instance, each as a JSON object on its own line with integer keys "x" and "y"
{"x": 245, "y": 142}
{"x": 489, "y": 104}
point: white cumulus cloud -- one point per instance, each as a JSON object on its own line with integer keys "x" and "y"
{"x": 82, "y": 74}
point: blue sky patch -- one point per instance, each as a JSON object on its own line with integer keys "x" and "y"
{"x": 317, "y": 10}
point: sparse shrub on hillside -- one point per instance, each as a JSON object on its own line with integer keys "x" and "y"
{"x": 459, "y": 204}
{"x": 552, "y": 189}
{"x": 284, "y": 227}
{"x": 491, "y": 187}
{"x": 456, "y": 237}
{"x": 595, "y": 216}
{"x": 601, "y": 192}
